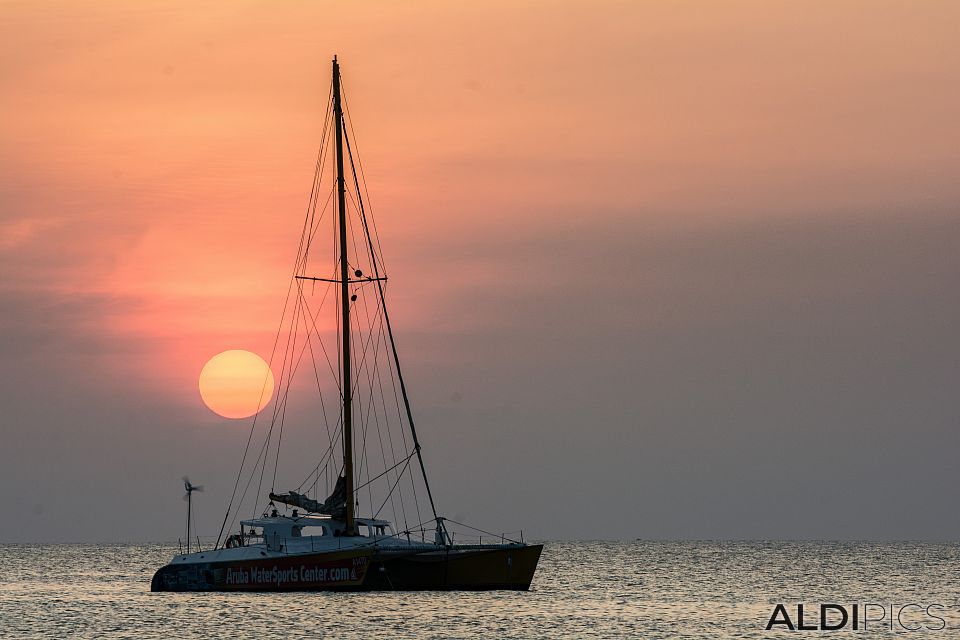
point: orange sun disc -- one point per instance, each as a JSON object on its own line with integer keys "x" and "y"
{"x": 236, "y": 383}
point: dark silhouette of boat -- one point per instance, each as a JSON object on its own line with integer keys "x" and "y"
{"x": 325, "y": 545}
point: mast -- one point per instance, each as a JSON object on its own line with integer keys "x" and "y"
{"x": 345, "y": 307}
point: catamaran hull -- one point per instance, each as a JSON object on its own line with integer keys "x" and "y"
{"x": 331, "y": 571}
{"x": 460, "y": 569}
{"x": 455, "y": 569}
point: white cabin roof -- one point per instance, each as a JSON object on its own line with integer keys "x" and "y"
{"x": 310, "y": 520}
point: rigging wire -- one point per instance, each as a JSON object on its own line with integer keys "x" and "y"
{"x": 393, "y": 344}
{"x": 363, "y": 180}
{"x": 374, "y": 374}
{"x": 311, "y": 201}
{"x": 386, "y": 471}
{"x": 394, "y": 487}
{"x": 358, "y": 205}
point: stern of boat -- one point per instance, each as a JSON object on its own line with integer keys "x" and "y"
{"x": 460, "y": 568}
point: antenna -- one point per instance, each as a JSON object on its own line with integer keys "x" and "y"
{"x": 188, "y": 498}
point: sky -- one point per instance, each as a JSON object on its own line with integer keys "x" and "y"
{"x": 658, "y": 269}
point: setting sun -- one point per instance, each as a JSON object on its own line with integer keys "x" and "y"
{"x": 236, "y": 383}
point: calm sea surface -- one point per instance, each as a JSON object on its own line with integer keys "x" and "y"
{"x": 581, "y": 590}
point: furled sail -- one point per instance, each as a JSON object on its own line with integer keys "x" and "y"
{"x": 335, "y": 506}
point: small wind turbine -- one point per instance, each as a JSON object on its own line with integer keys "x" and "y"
{"x": 188, "y": 497}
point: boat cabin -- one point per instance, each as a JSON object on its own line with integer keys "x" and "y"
{"x": 276, "y": 531}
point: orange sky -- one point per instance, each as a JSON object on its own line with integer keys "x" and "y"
{"x": 161, "y": 151}
{"x": 156, "y": 156}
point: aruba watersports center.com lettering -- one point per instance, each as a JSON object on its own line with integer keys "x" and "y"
{"x": 292, "y": 575}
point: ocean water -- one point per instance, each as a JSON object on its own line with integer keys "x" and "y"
{"x": 581, "y": 590}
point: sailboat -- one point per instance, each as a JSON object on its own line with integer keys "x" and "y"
{"x": 303, "y": 541}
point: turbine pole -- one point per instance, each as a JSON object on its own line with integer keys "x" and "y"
{"x": 189, "y": 510}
